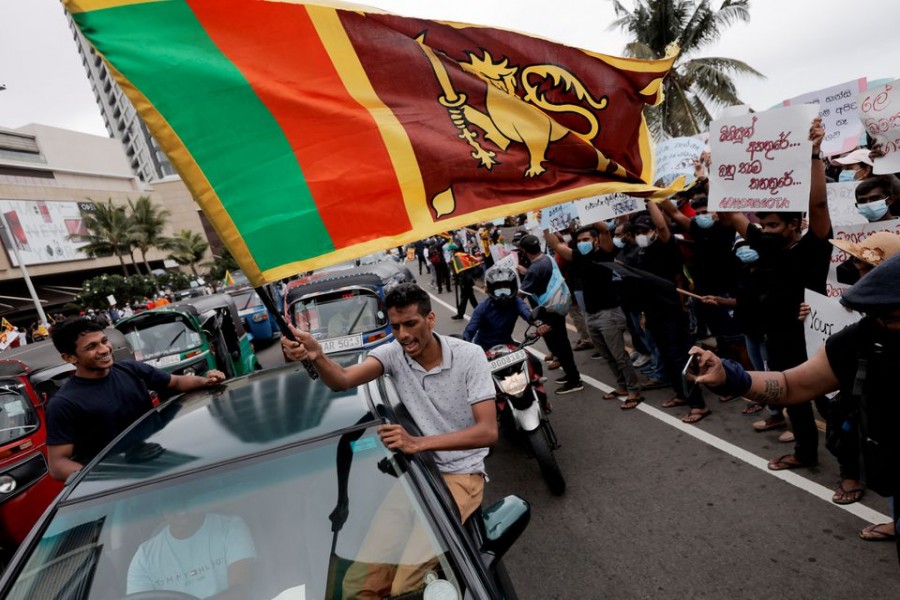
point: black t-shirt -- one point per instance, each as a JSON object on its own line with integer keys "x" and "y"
{"x": 663, "y": 259}
{"x": 537, "y": 277}
{"x": 597, "y": 282}
{"x": 880, "y": 443}
{"x": 90, "y": 413}
{"x": 714, "y": 265}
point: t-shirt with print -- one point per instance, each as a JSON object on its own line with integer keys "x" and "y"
{"x": 197, "y": 565}
{"x": 90, "y": 413}
{"x": 440, "y": 400}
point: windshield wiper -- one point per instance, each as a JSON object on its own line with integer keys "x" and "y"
{"x": 180, "y": 333}
{"x": 356, "y": 318}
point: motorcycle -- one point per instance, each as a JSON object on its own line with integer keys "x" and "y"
{"x": 522, "y": 406}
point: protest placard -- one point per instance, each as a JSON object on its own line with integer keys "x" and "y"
{"x": 826, "y": 317}
{"x": 842, "y": 203}
{"x": 879, "y": 111}
{"x": 855, "y": 234}
{"x": 607, "y": 206}
{"x": 837, "y": 107}
{"x": 675, "y": 157}
{"x": 761, "y": 161}
{"x": 499, "y": 252}
{"x": 558, "y": 217}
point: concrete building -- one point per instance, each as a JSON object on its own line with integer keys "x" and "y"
{"x": 48, "y": 176}
{"x": 145, "y": 158}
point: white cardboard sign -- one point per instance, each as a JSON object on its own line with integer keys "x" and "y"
{"x": 837, "y": 107}
{"x": 827, "y": 316}
{"x": 675, "y": 157}
{"x": 558, "y": 217}
{"x": 879, "y": 111}
{"x": 761, "y": 161}
{"x": 842, "y": 203}
{"x": 605, "y": 207}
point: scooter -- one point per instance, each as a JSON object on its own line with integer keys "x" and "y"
{"x": 522, "y": 406}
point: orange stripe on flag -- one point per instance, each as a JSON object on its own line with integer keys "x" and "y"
{"x": 294, "y": 77}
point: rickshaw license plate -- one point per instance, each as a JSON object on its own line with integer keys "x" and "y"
{"x": 166, "y": 360}
{"x": 349, "y": 342}
{"x": 507, "y": 359}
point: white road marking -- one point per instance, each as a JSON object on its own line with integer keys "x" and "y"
{"x": 819, "y": 491}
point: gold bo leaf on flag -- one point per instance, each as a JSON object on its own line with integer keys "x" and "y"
{"x": 313, "y": 134}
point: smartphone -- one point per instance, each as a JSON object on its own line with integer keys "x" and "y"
{"x": 689, "y": 373}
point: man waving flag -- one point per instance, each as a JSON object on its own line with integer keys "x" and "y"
{"x": 311, "y": 134}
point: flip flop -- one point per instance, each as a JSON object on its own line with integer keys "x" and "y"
{"x": 696, "y": 415}
{"x": 752, "y": 409}
{"x": 872, "y": 533}
{"x": 613, "y": 395}
{"x": 769, "y": 423}
{"x": 845, "y": 496}
{"x": 674, "y": 402}
{"x": 632, "y": 403}
{"x": 788, "y": 461}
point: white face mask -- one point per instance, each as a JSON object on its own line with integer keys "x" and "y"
{"x": 643, "y": 240}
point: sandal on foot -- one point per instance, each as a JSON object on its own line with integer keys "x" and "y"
{"x": 788, "y": 461}
{"x": 847, "y": 495}
{"x": 614, "y": 395}
{"x": 696, "y": 415}
{"x": 631, "y": 403}
{"x": 553, "y": 365}
{"x": 786, "y": 437}
{"x": 674, "y": 402}
{"x": 752, "y": 409}
{"x": 770, "y": 423}
{"x": 878, "y": 533}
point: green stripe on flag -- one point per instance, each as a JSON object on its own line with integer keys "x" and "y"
{"x": 228, "y": 131}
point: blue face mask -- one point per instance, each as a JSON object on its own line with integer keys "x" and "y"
{"x": 704, "y": 221}
{"x": 873, "y": 210}
{"x": 585, "y": 247}
{"x": 618, "y": 242}
{"x": 847, "y": 175}
{"x": 746, "y": 254}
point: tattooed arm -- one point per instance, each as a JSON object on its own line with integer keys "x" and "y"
{"x": 794, "y": 386}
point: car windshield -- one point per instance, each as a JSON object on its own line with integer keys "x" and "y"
{"x": 265, "y": 523}
{"x": 17, "y": 415}
{"x": 160, "y": 334}
{"x": 340, "y": 313}
{"x": 245, "y": 300}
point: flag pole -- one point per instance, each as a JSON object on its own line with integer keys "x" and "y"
{"x": 7, "y": 238}
{"x": 266, "y": 296}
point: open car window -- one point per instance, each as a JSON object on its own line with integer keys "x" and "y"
{"x": 281, "y": 515}
{"x": 17, "y": 415}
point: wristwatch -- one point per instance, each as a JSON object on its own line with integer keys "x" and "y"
{"x": 818, "y": 155}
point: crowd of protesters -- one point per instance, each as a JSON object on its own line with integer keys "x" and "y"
{"x": 675, "y": 275}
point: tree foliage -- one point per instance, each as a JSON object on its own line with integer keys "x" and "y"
{"x": 110, "y": 232}
{"x": 148, "y": 221}
{"x": 187, "y": 248}
{"x": 695, "y": 84}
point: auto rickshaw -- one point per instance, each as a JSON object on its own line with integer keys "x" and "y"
{"x": 344, "y": 309}
{"x": 192, "y": 336}
{"x": 29, "y": 376}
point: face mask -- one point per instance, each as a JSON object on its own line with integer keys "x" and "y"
{"x": 611, "y": 224}
{"x": 773, "y": 241}
{"x": 847, "y": 175}
{"x": 585, "y": 247}
{"x": 704, "y": 221}
{"x": 746, "y": 254}
{"x": 618, "y": 242}
{"x": 643, "y": 240}
{"x": 873, "y": 210}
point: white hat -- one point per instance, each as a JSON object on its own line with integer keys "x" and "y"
{"x": 860, "y": 155}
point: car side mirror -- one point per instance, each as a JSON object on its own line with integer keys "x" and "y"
{"x": 504, "y": 522}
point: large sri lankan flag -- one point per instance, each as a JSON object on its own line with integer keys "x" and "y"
{"x": 313, "y": 134}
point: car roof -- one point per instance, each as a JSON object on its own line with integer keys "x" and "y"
{"x": 38, "y": 356}
{"x": 249, "y": 415}
{"x": 334, "y": 281}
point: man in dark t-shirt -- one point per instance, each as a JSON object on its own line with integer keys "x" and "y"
{"x": 101, "y": 399}
{"x": 861, "y": 361}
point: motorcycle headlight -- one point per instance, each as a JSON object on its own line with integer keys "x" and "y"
{"x": 515, "y": 384}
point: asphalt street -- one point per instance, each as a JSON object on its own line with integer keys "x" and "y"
{"x": 658, "y": 509}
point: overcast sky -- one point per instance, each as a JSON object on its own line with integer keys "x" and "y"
{"x": 800, "y": 45}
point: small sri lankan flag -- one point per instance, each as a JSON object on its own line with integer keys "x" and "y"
{"x": 463, "y": 261}
{"x": 313, "y": 134}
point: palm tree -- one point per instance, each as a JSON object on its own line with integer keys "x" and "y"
{"x": 149, "y": 222}
{"x": 187, "y": 248}
{"x": 110, "y": 231}
{"x": 694, "y": 83}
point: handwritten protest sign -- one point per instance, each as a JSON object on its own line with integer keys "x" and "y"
{"x": 558, "y": 217}
{"x": 855, "y": 234}
{"x": 675, "y": 157}
{"x": 761, "y": 161}
{"x": 608, "y": 206}
{"x": 842, "y": 203}
{"x": 879, "y": 111}
{"x": 500, "y": 251}
{"x": 837, "y": 107}
{"x": 826, "y": 317}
